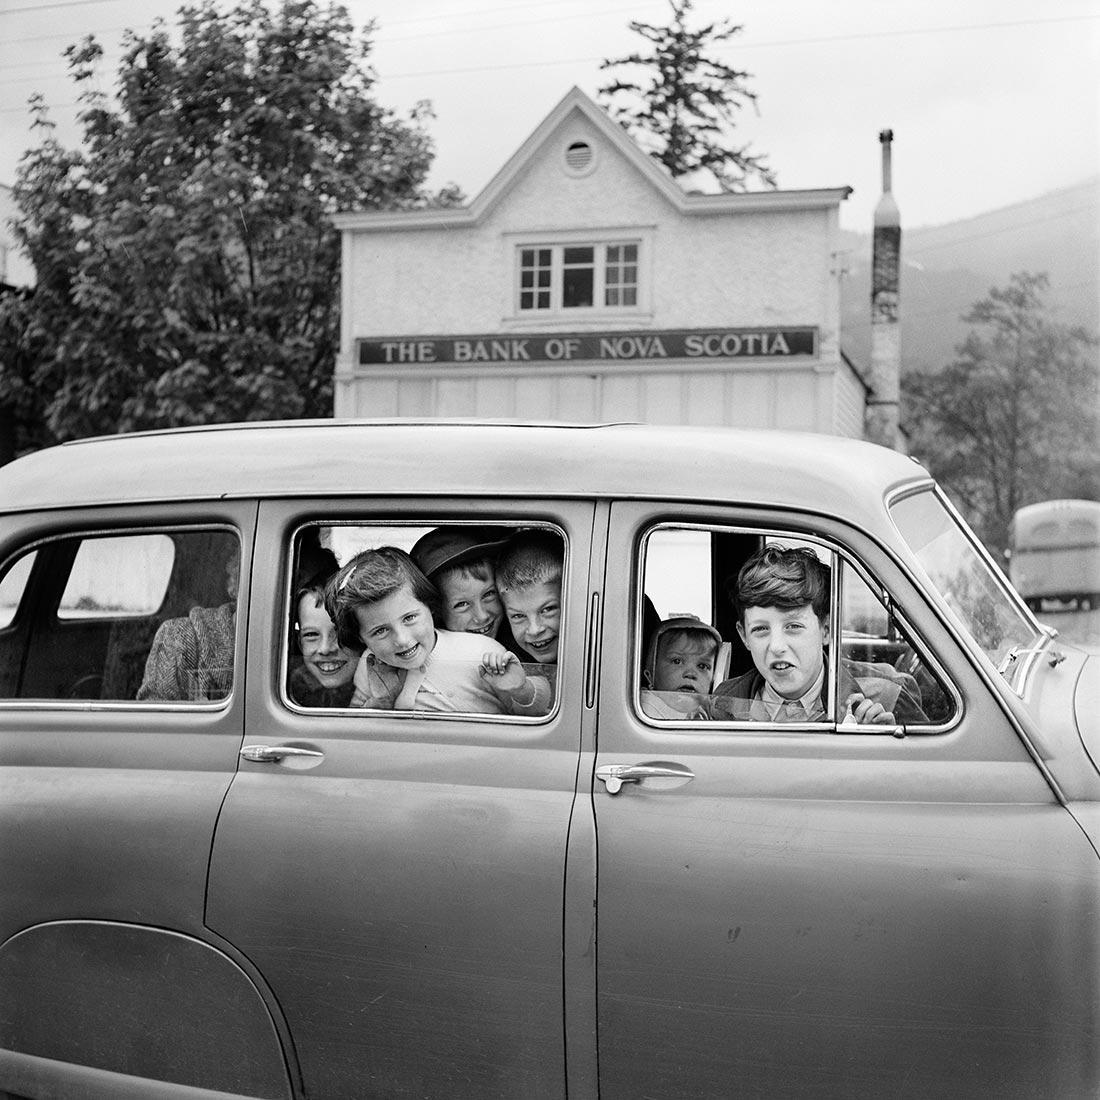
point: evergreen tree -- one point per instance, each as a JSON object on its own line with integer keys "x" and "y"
{"x": 683, "y": 110}
{"x": 187, "y": 268}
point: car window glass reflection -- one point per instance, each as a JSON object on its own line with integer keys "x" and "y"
{"x": 147, "y": 616}
{"x": 450, "y": 618}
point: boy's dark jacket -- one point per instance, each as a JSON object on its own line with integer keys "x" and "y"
{"x": 882, "y": 683}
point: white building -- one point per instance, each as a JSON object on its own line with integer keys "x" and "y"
{"x": 15, "y": 269}
{"x": 584, "y": 284}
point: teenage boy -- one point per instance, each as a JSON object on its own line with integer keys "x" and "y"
{"x": 528, "y": 577}
{"x": 782, "y": 605}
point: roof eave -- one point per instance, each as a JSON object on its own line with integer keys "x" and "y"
{"x": 575, "y": 100}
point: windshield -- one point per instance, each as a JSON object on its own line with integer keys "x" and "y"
{"x": 966, "y": 577}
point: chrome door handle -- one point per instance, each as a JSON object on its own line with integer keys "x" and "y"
{"x": 615, "y": 775}
{"x": 272, "y": 754}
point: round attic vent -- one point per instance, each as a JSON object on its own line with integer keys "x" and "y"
{"x": 580, "y": 158}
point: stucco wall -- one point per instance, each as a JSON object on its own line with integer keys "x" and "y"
{"x": 752, "y": 268}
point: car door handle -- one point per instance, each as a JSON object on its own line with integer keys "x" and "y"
{"x": 615, "y": 775}
{"x": 272, "y": 754}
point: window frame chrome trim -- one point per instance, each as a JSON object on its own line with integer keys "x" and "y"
{"x": 283, "y": 671}
{"x": 833, "y": 725}
{"x": 205, "y": 706}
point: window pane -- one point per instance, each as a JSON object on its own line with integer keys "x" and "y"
{"x": 977, "y": 595}
{"x": 123, "y": 617}
{"x": 534, "y": 272}
{"x": 680, "y": 652}
{"x": 118, "y": 576}
{"x": 12, "y": 586}
{"x": 579, "y": 255}
{"x": 621, "y": 272}
{"x": 577, "y": 287}
{"x": 882, "y": 665}
{"x": 491, "y": 589}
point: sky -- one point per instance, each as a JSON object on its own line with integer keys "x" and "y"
{"x": 991, "y": 102}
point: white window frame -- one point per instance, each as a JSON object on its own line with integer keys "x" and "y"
{"x": 600, "y": 241}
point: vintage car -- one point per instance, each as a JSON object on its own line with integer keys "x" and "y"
{"x": 216, "y": 885}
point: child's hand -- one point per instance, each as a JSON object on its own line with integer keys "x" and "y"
{"x": 502, "y": 671}
{"x": 866, "y": 712}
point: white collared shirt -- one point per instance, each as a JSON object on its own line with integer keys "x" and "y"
{"x": 810, "y": 701}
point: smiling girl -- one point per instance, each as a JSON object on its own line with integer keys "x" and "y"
{"x": 384, "y": 601}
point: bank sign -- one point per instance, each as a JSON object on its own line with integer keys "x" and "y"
{"x": 726, "y": 343}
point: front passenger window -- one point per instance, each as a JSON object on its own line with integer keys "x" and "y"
{"x": 743, "y": 626}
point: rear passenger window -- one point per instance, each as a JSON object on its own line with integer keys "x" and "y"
{"x": 441, "y": 618}
{"x": 146, "y": 616}
{"x": 741, "y": 626}
{"x": 112, "y": 577}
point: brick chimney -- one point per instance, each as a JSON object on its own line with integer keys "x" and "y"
{"x": 880, "y": 420}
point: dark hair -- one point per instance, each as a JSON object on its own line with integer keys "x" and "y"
{"x": 372, "y": 576}
{"x": 783, "y": 577}
{"x": 531, "y": 557}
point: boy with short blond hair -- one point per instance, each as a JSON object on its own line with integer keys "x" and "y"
{"x": 528, "y": 576}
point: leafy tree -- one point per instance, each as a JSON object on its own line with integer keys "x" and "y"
{"x": 684, "y": 110}
{"x": 22, "y": 410}
{"x": 187, "y": 268}
{"x": 1013, "y": 419}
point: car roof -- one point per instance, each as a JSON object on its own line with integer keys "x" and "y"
{"x": 334, "y": 458}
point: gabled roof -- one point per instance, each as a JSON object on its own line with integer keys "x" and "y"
{"x": 575, "y": 101}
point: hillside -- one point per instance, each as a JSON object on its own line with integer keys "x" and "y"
{"x": 946, "y": 268}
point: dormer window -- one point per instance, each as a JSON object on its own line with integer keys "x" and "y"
{"x": 578, "y": 276}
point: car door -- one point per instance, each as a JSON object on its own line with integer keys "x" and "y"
{"x": 110, "y": 787}
{"x": 818, "y": 910}
{"x": 397, "y": 878}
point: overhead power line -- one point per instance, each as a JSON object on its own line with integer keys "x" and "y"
{"x": 740, "y": 44}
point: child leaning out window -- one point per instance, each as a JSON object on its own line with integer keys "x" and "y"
{"x": 382, "y": 600}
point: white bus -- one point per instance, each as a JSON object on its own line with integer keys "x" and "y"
{"x": 1056, "y": 553}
